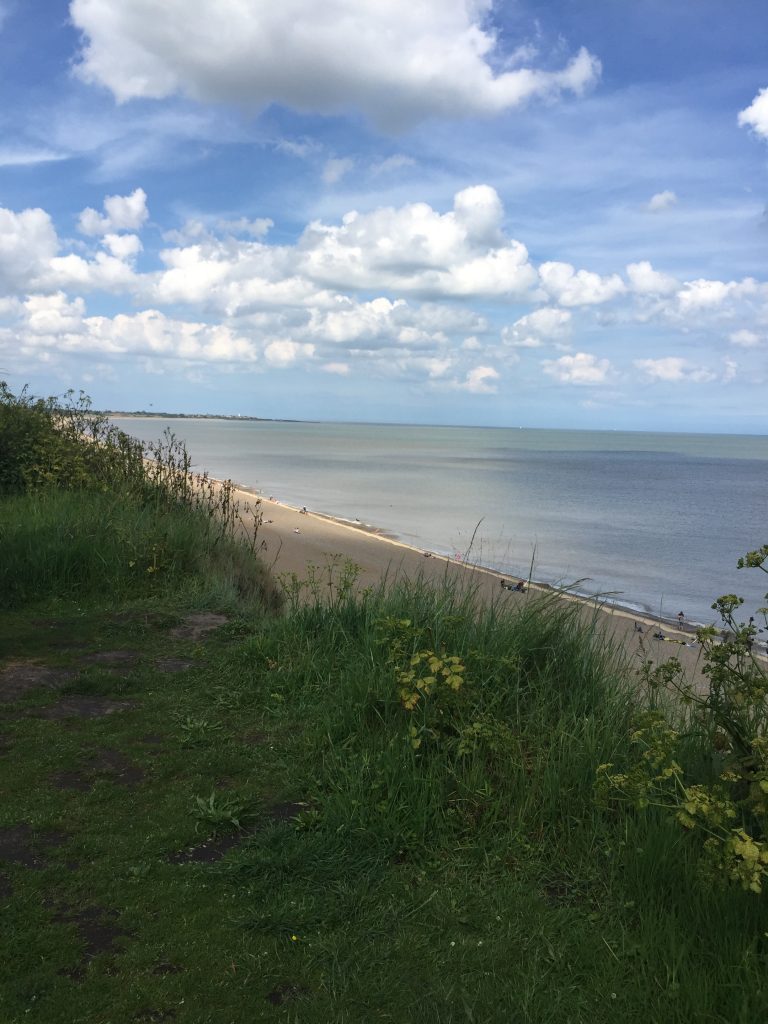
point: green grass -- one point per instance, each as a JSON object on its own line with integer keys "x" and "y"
{"x": 419, "y": 884}
{"x": 72, "y": 544}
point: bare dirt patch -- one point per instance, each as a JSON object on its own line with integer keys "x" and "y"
{"x": 211, "y": 850}
{"x": 107, "y": 764}
{"x": 216, "y": 847}
{"x": 111, "y": 658}
{"x": 20, "y": 844}
{"x": 286, "y": 811}
{"x": 285, "y": 992}
{"x": 174, "y": 664}
{"x": 23, "y": 677}
{"x": 198, "y": 624}
{"x": 81, "y": 707}
{"x": 97, "y": 927}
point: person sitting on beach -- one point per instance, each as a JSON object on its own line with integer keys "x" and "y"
{"x": 638, "y": 628}
{"x": 520, "y": 588}
{"x": 303, "y": 510}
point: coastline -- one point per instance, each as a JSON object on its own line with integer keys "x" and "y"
{"x": 292, "y": 540}
{"x": 688, "y": 628}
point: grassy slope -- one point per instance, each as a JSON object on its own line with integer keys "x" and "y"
{"x": 415, "y": 885}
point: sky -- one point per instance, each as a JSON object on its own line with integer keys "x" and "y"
{"x": 537, "y": 213}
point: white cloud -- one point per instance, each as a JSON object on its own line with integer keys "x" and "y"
{"x": 385, "y": 324}
{"x": 730, "y": 370}
{"x": 121, "y": 213}
{"x": 415, "y": 249}
{"x": 398, "y": 62}
{"x": 673, "y": 369}
{"x": 480, "y": 381}
{"x": 285, "y": 352}
{"x": 644, "y": 280}
{"x": 661, "y": 201}
{"x": 581, "y": 368}
{"x": 745, "y": 338}
{"x": 534, "y": 329}
{"x": 53, "y": 314}
{"x": 335, "y": 169}
{"x": 578, "y": 288}
{"x": 340, "y": 369}
{"x": 103, "y": 273}
{"x": 123, "y": 247}
{"x": 755, "y": 116}
{"x": 54, "y": 323}
{"x": 705, "y": 294}
{"x": 28, "y": 241}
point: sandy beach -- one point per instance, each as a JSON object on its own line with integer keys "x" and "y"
{"x": 293, "y": 539}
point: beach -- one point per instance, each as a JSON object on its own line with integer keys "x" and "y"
{"x": 653, "y": 522}
{"x": 291, "y": 540}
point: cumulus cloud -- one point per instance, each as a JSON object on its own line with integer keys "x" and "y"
{"x": 121, "y": 213}
{"x": 480, "y": 380}
{"x": 673, "y": 369}
{"x": 661, "y": 201}
{"x": 53, "y": 322}
{"x": 570, "y": 287}
{"x": 28, "y": 241}
{"x": 415, "y": 249}
{"x": 644, "y": 280}
{"x": 340, "y": 369}
{"x": 745, "y": 338}
{"x": 534, "y": 329}
{"x": 581, "y": 368}
{"x": 284, "y": 352}
{"x": 396, "y": 61}
{"x": 755, "y": 116}
{"x": 102, "y": 273}
{"x": 123, "y": 247}
{"x": 703, "y": 294}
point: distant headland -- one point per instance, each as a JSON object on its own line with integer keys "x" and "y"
{"x": 151, "y": 414}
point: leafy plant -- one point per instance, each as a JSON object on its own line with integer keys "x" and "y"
{"x": 220, "y": 811}
{"x": 722, "y": 794}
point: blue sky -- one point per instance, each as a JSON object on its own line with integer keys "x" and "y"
{"x": 444, "y": 211}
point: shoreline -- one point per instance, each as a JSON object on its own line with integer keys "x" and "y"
{"x": 292, "y": 540}
{"x": 686, "y": 629}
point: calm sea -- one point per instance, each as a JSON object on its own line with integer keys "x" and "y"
{"x": 654, "y": 521}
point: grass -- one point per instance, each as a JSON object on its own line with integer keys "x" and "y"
{"x": 402, "y": 884}
{"x": 265, "y": 828}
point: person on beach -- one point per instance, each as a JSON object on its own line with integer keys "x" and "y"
{"x": 638, "y": 628}
{"x": 680, "y": 618}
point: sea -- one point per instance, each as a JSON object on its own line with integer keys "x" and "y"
{"x": 654, "y": 522}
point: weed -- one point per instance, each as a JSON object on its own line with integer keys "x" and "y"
{"x": 220, "y": 811}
